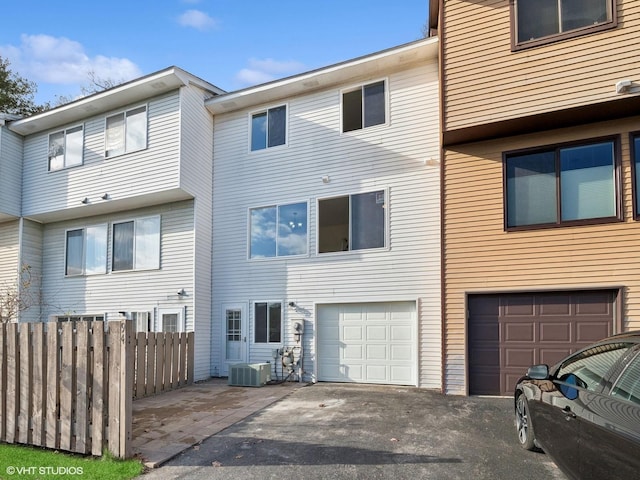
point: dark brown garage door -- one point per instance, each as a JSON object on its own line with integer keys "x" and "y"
{"x": 510, "y": 332}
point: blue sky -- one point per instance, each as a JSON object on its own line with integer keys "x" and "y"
{"x": 230, "y": 43}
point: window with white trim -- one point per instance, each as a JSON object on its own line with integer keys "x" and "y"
{"x": 267, "y": 322}
{"x": 79, "y": 318}
{"x": 364, "y": 106}
{"x": 136, "y": 244}
{"x": 269, "y": 128}
{"x": 352, "y": 222}
{"x": 66, "y": 148}
{"x": 142, "y": 321}
{"x": 278, "y": 231}
{"x": 126, "y": 132}
{"x": 86, "y": 251}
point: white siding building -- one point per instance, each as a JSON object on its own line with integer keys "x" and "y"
{"x": 326, "y": 213}
{"x": 116, "y": 206}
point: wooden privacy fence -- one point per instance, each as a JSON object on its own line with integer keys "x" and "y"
{"x": 70, "y": 385}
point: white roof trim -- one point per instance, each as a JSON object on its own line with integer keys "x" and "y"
{"x": 372, "y": 65}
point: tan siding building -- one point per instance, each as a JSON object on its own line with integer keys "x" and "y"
{"x": 540, "y": 240}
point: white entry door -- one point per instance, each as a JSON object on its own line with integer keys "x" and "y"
{"x": 235, "y": 335}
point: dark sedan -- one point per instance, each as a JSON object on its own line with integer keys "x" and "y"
{"x": 584, "y": 412}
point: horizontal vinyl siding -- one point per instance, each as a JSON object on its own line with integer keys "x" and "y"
{"x": 481, "y": 257}
{"x": 152, "y": 170}
{"x": 196, "y": 165}
{"x": 10, "y": 172}
{"x": 31, "y": 257}
{"x": 486, "y": 82}
{"x": 111, "y": 293}
{"x": 394, "y": 157}
{"x": 9, "y": 254}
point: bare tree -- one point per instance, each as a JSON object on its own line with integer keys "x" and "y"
{"x": 20, "y": 295}
{"x": 95, "y": 84}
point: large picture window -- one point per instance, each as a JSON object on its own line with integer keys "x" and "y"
{"x": 278, "y": 231}
{"x": 126, "y": 132}
{"x": 269, "y": 128}
{"x": 136, "y": 244}
{"x": 562, "y": 185}
{"x": 268, "y": 322}
{"x": 65, "y": 148}
{"x": 540, "y": 20}
{"x": 352, "y": 222}
{"x": 86, "y": 251}
{"x": 364, "y": 106}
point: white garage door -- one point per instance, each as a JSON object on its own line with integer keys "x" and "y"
{"x": 367, "y": 343}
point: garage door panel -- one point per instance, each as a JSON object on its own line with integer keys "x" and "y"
{"x": 518, "y": 305}
{"x": 375, "y": 344}
{"x": 506, "y": 334}
{"x": 559, "y": 332}
{"x": 519, "y": 332}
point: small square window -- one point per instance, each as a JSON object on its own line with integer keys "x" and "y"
{"x": 268, "y": 128}
{"x": 364, "y": 107}
{"x": 66, "y": 148}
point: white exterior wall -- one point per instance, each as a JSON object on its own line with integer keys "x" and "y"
{"x": 196, "y": 173}
{"x": 9, "y": 254}
{"x": 31, "y": 244}
{"x": 396, "y": 157}
{"x": 111, "y": 293}
{"x": 153, "y": 170}
{"x": 10, "y": 172}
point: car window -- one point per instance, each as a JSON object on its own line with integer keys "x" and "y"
{"x": 628, "y": 384}
{"x": 592, "y": 365}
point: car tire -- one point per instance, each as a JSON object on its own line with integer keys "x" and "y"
{"x": 524, "y": 427}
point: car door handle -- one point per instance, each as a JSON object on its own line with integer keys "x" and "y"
{"x": 568, "y": 413}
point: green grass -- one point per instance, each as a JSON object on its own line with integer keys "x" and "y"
{"x": 22, "y": 462}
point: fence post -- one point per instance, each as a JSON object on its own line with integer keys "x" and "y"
{"x": 98, "y": 388}
{"x": 126, "y": 388}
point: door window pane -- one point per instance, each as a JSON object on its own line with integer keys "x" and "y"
{"x": 170, "y": 322}
{"x": 627, "y": 386}
{"x": 592, "y": 365}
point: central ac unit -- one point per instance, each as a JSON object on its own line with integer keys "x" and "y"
{"x": 249, "y": 374}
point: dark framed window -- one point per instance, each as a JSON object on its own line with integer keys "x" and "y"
{"x": 352, "y": 222}
{"x": 364, "y": 106}
{"x": 269, "y": 128}
{"x": 267, "y": 322}
{"x": 563, "y": 185}
{"x": 535, "y": 22}
{"x": 635, "y": 169}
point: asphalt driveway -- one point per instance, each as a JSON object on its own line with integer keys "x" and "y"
{"x": 343, "y": 431}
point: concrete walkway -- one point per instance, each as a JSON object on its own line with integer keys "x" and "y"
{"x": 165, "y": 425}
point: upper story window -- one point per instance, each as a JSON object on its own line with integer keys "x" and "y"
{"x": 126, "y": 132}
{"x": 278, "y": 231}
{"x": 65, "y": 148}
{"x": 86, "y": 251}
{"x": 364, "y": 106}
{"x": 568, "y": 184}
{"x": 352, "y": 222}
{"x": 136, "y": 244}
{"x": 542, "y": 21}
{"x": 268, "y": 128}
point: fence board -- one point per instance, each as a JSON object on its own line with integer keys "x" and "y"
{"x": 159, "y": 362}
{"x": 67, "y": 369}
{"x": 3, "y": 380}
{"x": 141, "y": 364}
{"x": 166, "y": 378}
{"x": 182, "y": 374}
{"x": 82, "y": 333}
{"x": 126, "y": 387}
{"x": 150, "y": 356}
{"x": 39, "y": 378}
{"x": 113, "y": 408}
{"x": 13, "y": 369}
{"x": 190, "y": 357}
{"x": 98, "y": 388}
{"x": 53, "y": 390}
{"x": 24, "y": 382}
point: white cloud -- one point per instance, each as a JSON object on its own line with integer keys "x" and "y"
{"x": 59, "y": 60}
{"x": 197, "y": 19}
{"x": 265, "y": 70}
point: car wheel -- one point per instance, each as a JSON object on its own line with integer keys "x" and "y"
{"x": 524, "y": 427}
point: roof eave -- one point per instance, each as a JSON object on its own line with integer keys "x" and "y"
{"x": 378, "y": 63}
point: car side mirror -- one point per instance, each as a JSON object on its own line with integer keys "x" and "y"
{"x": 568, "y": 385}
{"x": 538, "y": 372}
